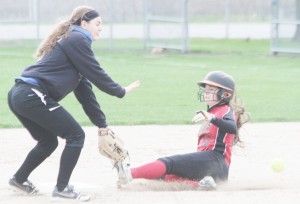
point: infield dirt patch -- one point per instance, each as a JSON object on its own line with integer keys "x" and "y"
{"x": 251, "y": 178}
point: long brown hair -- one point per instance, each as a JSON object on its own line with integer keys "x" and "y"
{"x": 61, "y": 30}
{"x": 242, "y": 118}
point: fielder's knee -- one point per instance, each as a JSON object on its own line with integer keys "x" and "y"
{"x": 76, "y": 139}
{"x": 46, "y": 147}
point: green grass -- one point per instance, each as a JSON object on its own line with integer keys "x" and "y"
{"x": 267, "y": 85}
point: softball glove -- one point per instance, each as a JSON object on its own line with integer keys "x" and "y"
{"x": 111, "y": 146}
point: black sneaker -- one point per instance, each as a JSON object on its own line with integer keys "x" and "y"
{"x": 70, "y": 193}
{"x": 26, "y": 186}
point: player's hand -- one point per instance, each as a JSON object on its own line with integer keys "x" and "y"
{"x": 132, "y": 86}
{"x": 202, "y": 115}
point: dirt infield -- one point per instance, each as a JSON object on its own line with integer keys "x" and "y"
{"x": 251, "y": 178}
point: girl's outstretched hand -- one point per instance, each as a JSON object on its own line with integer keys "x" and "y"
{"x": 132, "y": 86}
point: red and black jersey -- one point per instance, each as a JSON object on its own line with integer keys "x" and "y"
{"x": 218, "y": 134}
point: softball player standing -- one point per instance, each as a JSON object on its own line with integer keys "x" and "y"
{"x": 216, "y": 137}
{"x": 67, "y": 64}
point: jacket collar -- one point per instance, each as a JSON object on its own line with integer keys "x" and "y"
{"x": 84, "y": 32}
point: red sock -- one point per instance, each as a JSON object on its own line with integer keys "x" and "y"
{"x": 152, "y": 170}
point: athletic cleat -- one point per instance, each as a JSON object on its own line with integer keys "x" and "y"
{"x": 124, "y": 173}
{"x": 207, "y": 183}
{"x": 70, "y": 193}
{"x": 26, "y": 186}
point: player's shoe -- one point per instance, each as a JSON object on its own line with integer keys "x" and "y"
{"x": 26, "y": 186}
{"x": 70, "y": 193}
{"x": 207, "y": 183}
{"x": 124, "y": 173}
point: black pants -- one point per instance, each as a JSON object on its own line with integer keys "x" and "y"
{"x": 197, "y": 165}
{"x": 45, "y": 119}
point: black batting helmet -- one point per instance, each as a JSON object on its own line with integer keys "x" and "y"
{"x": 221, "y": 80}
{"x": 218, "y": 79}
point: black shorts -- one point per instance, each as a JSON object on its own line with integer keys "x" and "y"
{"x": 197, "y": 165}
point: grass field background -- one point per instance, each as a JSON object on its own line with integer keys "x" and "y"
{"x": 268, "y": 85}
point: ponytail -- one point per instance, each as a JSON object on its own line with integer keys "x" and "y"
{"x": 61, "y": 30}
{"x": 242, "y": 118}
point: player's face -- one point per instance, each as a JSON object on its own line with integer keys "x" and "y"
{"x": 210, "y": 95}
{"x": 94, "y": 27}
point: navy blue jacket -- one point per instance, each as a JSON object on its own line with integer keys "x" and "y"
{"x": 72, "y": 66}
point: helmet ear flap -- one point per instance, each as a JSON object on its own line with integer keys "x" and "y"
{"x": 224, "y": 95}
{"x": 227, "y": 95}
